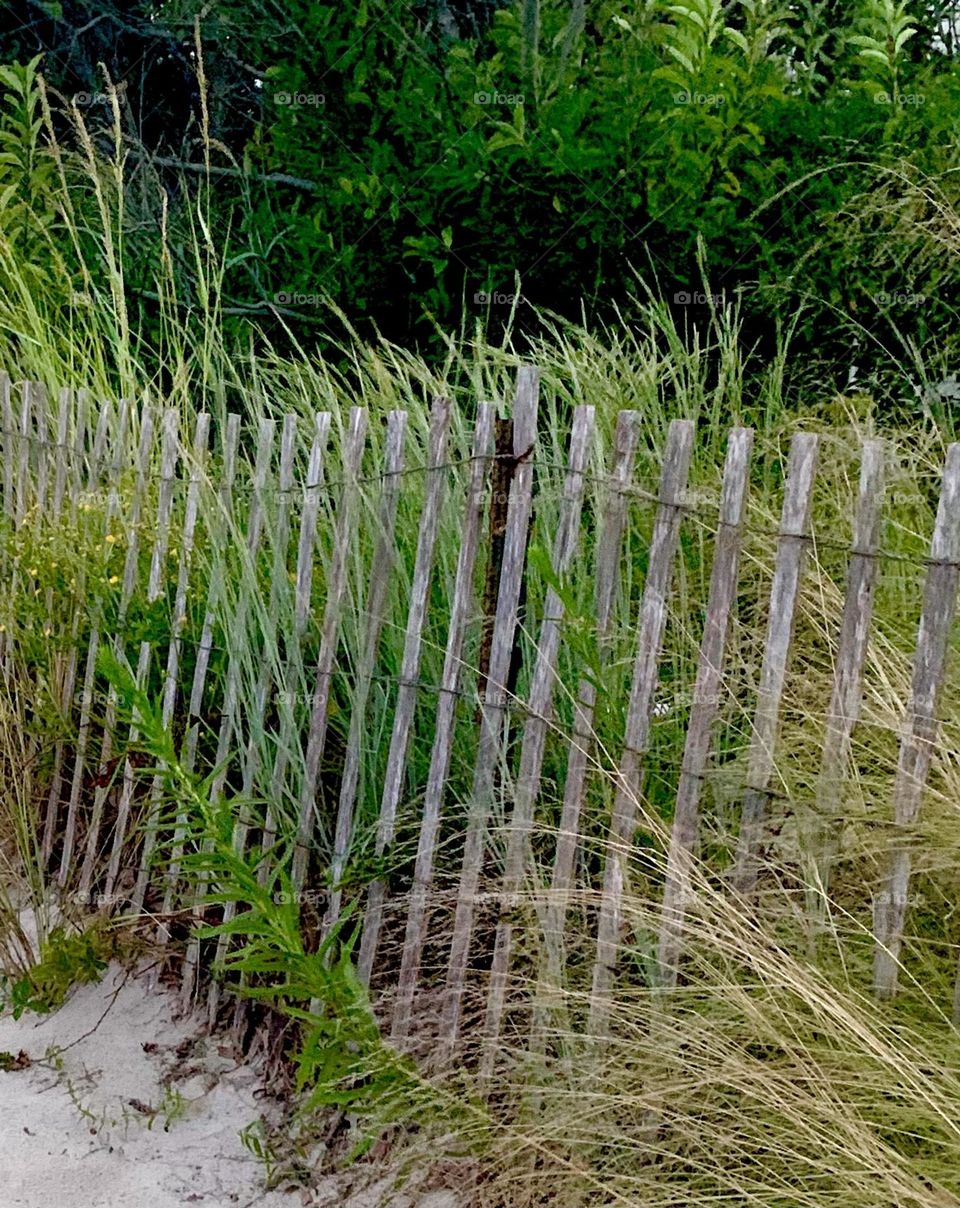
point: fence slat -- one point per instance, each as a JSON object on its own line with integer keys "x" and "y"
{"x": 169, "y": 454}
{"x": 280, "y": 657}
{"x": 269, "y": 665}
{"x": 266, "y": 435}
{"x": 126, "y": 593}
{"x": 45, "y": 441}
{"x": 120, "y": 884}
{"x": 30, "y": 392}
{"x": 130, "y": 571}
{"x": 921, "y": 724}
{"x": 64, "y": 662}
{"x": 706, "y": 699}
{"x": 652, "y": 623}
{"x": 200, "y": 439}
{"x": 494, "y": 706}
{"x": 791, "y": 546}
{"x": 606, "y": 579}
{"x": 846, "y": 697}
{"x": 384, "y": 560}
{"x": 460, "y": 608}
{"x": 102, "y": 791}
{"x": 230, "y": 446}
{"x": 92, "y": 465}
{"x": 535, "y": 730}
{"x": 409, "y": 670}
{"x": 351, "y": 458}
{"x": 308, "y": 517}
{"x": 294, "y": 668}
{"x": 231, "y": 440}
{"x": 27, "y": 393}
{"x": 62, "y": 438}
{"x": 10, "y": 443}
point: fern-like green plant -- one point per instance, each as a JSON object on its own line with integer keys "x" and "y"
{"x": 342, "y": 1059}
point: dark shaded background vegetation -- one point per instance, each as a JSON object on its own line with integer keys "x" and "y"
{"x": 432, "y": 163}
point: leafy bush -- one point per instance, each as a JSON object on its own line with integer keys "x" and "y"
{"x": 419, "y": 178}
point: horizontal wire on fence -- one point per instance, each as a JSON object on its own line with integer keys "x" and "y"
{"x": 665, "y": 710}
{"x": 700, "y": 512}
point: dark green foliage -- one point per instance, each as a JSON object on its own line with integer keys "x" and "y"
{"x": 428, "y": 164}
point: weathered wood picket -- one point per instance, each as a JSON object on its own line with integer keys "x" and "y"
{"x": 469, "y": 811}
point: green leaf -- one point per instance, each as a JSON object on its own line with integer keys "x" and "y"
{"x": 737, "y": 38}
{"x": 681, "y": 59}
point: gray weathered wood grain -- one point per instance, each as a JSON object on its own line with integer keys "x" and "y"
{"x": 169, "y": 457}
{"x": 215, "y": 520}
{"x": 395, "y": 773}
{"x": 651, "y": 627}
{"x": 275, "y": 523}
{"x": 461, "y": 605}
{"x": 336, "y": 582}
{"x": 784, "y": 594}
{"x": 240, "y": 626}
{"x": 493, "y": 711}
{"x": 313, "y": 487}
{"x": 201, "y": 437}
{"x": 535, "y": 730}
{"x": 10, "y": 444}
{"x": 847, "y": 693}
{"x": 706, "y": 699}
{"x": 921, "y": 725}
{"x": 294, "y": 669}
{"x": 144, "y": 458}
{"x": 606, "y": 577}
{"x": 381, "y": 572}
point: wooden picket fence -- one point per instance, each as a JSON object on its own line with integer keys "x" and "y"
{"x": 220, "y": 483}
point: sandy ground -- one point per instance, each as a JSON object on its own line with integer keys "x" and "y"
{"x": 91, "y": 1123}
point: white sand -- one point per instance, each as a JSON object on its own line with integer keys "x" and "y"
{"x": 79, "y": 1135}
{"x": 75, "y": 1135}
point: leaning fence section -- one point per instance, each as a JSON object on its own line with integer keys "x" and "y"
{"x": 426, "y": 667}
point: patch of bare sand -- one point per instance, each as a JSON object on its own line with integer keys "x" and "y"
{"x": 95, "y": 1121}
